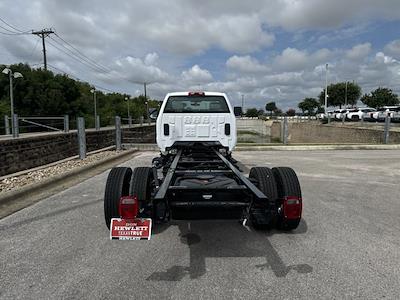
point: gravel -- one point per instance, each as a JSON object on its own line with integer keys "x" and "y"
{"x": 16, "y": 182}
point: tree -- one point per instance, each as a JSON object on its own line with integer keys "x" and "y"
{"x": 380, "y": 97}
{"x": 252, "y": 112}
{"x": 337, "y": 94}
{"x": 278, "y": 112}
{"x": 43, "y": 93}
{"x": 271, "y": 107}
{"x": 291, "y": 112}
{"x": 308, "y": 105}
{"x": 260, "y": 112}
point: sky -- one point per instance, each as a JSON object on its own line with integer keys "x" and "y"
{"x": 273, "y": 50}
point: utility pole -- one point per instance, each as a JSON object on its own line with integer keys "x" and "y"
{"x": 43, "y": 34}
{"x": 242, "y": 102}
{"x": 345, "y": 97}
{"x": 326, "y": 89}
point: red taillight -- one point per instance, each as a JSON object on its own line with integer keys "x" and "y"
{"x": 128, "y": 207}
{"x": 196, "y": 94}
{"x": 292, "y": 207}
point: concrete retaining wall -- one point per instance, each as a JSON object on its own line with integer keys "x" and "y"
{"x": 29, "y": 152}
{"x": 320, "y": 133}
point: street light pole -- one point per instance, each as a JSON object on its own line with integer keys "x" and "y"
{"x": 326, "y": 89}
{"x": 96, "y": 125}
{"x": 146, "y": 102}
{"x": 127, "y": 99}
{"x": 12, "y": 75}
{"x": 345, "y": 97}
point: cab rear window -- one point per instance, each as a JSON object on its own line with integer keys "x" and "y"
{"x": 196, "y": 104}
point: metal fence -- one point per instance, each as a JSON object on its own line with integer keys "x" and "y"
{"x": 376, "y": 129}
{"x": 45, "y": 124}
{"x": 289, "y": 130}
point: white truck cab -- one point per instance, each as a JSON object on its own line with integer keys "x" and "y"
{"x": 196, "y": 117}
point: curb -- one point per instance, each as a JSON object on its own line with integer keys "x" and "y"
{"x": 317, "y": 147}
{"x": 56, "y": 180}
{"x": 154, "y": 147}
{"x": 141, "y": 147}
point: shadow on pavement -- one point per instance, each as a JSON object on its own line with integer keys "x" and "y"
{"x": 49, "y": 215}
{"x": 216, "y": 239}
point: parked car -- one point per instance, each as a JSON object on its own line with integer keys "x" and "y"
{"x": 332, "y": 114}
{"x": 386, "y": 111}
{"x": 396, "y": 115}
{"x": 322, "y": 116}
{"x": 341, "y": 112}
{"x": 359, "y": 113}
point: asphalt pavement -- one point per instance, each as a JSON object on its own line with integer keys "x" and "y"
{"x": 347, "y": 245}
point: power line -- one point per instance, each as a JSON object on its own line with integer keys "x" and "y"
{"x": 34, "y": 48}
{"x": 77, "y": 56}
{"x": 13, "y": 27}
{"x": 73, "y": 57}
{"x": 11, "y": 32}
{"x": 94, "y": 62}
{"x": 79, "y": 79}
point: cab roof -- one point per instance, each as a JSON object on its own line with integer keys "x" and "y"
{"x": 187, "y": 93}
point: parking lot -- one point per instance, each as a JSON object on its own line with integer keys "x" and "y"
{"x": 347, "y": 245}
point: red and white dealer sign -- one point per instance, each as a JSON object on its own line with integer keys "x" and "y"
{"x": 134, "y": 229}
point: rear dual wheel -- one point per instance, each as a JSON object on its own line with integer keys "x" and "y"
{"x": 277, "y": 184}
{"x": 121, "y": 181}
{"x": 118, "y": 182}
{"x": 288, "y": 188}
{"x": 141, "y": 186}
{"x": 259, "y": 214}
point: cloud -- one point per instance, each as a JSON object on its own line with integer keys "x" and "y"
{"x": 273, "y": 50}
{"x": 359, "y": 52}
{"x": 393, "y": 48}
{"x": 196, "y": 75}
{"x": 151, "y": 58}
{"x": 311, "y": 14}
{"x": 245, "y": 64}
{"x": 293, "y": 59}
{"x": 136, "y": 70}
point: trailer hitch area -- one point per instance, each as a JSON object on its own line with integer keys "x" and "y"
{"x": 260, "y": 216}
{"x": 129, "y": 226}
{"x": 246, "y": 217}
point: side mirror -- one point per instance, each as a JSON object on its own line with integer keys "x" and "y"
{"x": 237, "y": 110}
{"x": 153, "y": 114}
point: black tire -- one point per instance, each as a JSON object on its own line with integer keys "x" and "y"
{"x": 266, "y": 184}
{"x": 288, "y": 185}
{"x": 141, "y": 187}
{"x": 117, "y": 186}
